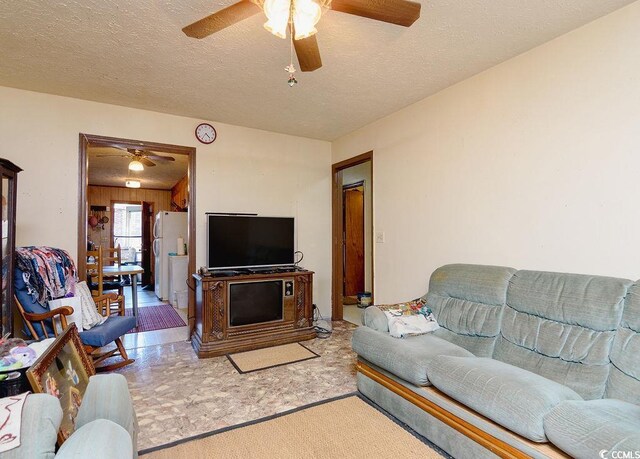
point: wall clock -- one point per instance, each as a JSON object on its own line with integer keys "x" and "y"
{"x": 205, "y": 133}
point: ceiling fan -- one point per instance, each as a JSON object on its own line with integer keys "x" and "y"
{"x": 142, "y": 156}
{"x": 301, "y": 16}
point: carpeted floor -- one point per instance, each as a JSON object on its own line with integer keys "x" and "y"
{"x": 347, "y": 427}
{"x": 269, "y": 357}
{"x": 156, "y": 317}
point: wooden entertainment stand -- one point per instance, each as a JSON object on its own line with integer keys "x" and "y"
{"x": 214, "y": 335}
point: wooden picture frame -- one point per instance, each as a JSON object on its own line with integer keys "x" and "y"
{"x": 63, "y": 371}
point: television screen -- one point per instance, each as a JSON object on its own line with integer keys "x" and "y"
{"x": 245, "y": 310}
{"x": 235, "y": 241}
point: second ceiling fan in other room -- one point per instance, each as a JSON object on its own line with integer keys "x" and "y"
{"x": 301, "y": 16}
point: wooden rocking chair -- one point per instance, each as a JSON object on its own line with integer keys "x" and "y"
{"x": 48, "y": 324}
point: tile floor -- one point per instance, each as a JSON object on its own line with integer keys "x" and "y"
{"x": 156, "y": 337}
{"x": 145, "y": 297}
{"x": 177, "y": 395}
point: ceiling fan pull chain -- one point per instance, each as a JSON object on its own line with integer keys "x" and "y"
{"x": 290, "y": 68}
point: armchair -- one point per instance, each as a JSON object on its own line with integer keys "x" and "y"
{"x": 41, "y": 323}
{"x": 106, "y": 426}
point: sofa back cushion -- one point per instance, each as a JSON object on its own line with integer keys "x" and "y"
{"x": 624, "y": 377}
{"x": 561, "y": 326}
{"x": 467, "y": 301}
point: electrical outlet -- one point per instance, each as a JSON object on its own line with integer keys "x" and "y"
{"x": 380, "y": 237}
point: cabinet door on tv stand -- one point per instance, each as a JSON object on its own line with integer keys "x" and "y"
{"x": 303, "y": 295}
{"x": 216, "y": 310}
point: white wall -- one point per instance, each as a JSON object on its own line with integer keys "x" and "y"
{"x": 355, "y": 174}
{"x": 534, "y": 164}
{"x": 245, "y": 170}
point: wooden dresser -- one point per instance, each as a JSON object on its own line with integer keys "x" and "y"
{"x": 214, "y": 332}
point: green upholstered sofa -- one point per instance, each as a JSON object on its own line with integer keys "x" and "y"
{"x": 106, "y": 426}
{"x": 525, "y": 364}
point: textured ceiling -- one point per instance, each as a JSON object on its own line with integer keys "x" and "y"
{"x": 133, "y": 53}
{"x": 114, "y": 170}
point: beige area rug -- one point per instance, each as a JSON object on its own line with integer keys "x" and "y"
{"x": 341, "y": 428}
{"x": 269, "y": 357}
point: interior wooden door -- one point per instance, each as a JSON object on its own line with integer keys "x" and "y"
{"x": 146, "y": 262}
{"x": 353, "y": 202}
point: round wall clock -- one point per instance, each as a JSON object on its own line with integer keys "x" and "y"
{"x": 205, "y": 133}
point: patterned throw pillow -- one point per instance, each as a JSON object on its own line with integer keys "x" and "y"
{"x": 409, "y": 319}
{"x": 417, "y": 306}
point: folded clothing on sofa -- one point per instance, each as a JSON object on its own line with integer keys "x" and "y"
{"x": 401, "y": 326}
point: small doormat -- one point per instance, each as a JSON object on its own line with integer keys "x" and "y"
{"x": 156, "y": 318}
{"x": 343, "y": 427}
{"x": 269, "y": 357}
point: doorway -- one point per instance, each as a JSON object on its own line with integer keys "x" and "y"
{"x": 125, "y": 201}
{"x": 352, "y": 285}
{"x": 131, "y": 231}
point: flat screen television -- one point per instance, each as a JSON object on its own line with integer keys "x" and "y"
{"x": 241, "y": 241}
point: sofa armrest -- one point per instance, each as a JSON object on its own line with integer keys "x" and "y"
{"x": 100, "y": 439}
{"x": 373, "y": 317}
{"x": 107, "y": 397}
{"x": 41, "y": 417}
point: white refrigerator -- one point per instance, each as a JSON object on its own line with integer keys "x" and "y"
{"x": 168, "y": 227}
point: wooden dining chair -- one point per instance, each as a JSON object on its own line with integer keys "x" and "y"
{"x": 96, "y": 280}
{"x": 112, "y": 255}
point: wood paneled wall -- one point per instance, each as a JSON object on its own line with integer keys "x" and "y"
{"x": 180, "y": 193}
{"x": 105, "y": 195}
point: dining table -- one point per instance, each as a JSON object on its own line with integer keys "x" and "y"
{"x": 127, "y": 270}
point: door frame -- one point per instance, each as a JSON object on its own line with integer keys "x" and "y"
{"x": 86, "y": 140}
{"x": 337, "y": 229}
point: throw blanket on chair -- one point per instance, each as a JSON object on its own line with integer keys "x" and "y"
{"x": 49, "y": 273}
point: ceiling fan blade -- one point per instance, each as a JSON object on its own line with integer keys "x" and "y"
{"x": 145, "y": 161}
{"x": 222, "y": 19}
{"x": 160, "y": 158}
{"x": 112, "y": 156}
{"x": 308, "y": 54}
{"x": 400, "y": 12}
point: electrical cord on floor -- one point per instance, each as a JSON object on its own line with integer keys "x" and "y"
{"x": 322, "y": 327}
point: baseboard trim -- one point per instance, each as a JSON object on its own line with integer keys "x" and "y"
{"x": 496, "y": 446}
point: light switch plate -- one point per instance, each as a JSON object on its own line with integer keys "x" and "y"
{"x": 380, "y": 237}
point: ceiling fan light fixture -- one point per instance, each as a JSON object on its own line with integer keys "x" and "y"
{"x": 306, "y": 14}
{"x": 136, "y": 166}
{"x": 277, "y": 12}
{"x": 132, "y": 183}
